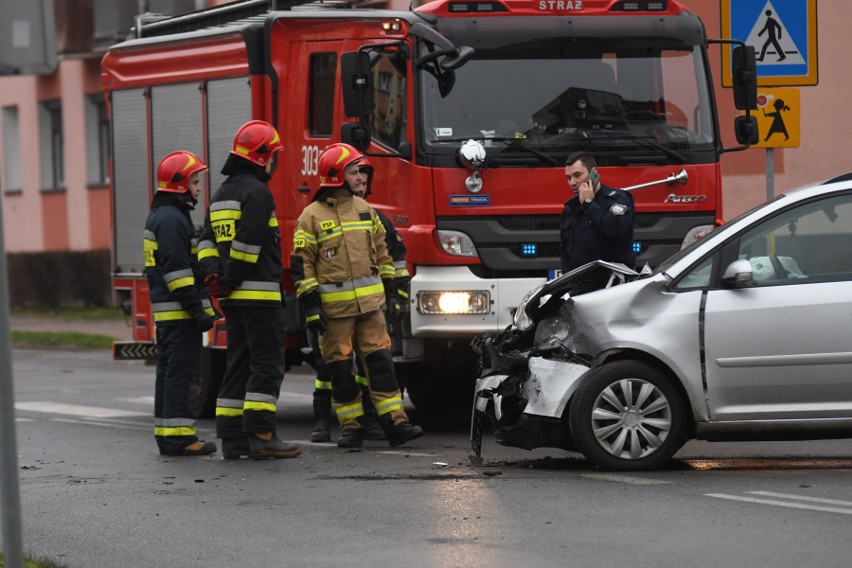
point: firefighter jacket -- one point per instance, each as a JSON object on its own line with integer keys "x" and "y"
{"x": 396, "y": 247}
{"x": 600, "y": 230}
{"x": 339, "y": 248}
{"x": 241, "y": 241}
{"x": 174, "y": 279}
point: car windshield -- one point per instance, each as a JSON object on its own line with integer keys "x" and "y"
{"x": 715, "y": 234}
{"x": 626, "y": 101}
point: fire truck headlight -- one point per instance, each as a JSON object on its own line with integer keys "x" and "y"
{"x": 457, "y": 244}
{"x": 694, "y": 234}
{"x": 454, "y": 302}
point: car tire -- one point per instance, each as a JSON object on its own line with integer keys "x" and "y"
{"x": 627, "y": 415}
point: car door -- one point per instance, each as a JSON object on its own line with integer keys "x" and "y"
{"x": 780, "y": 347}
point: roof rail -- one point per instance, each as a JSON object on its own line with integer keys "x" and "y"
{"x": 150, "y": 25}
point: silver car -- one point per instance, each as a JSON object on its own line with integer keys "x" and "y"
{"x": 745, "y": 335}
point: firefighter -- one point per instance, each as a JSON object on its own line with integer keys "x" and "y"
{"x": 240, "y": 251}
{"x": 339, "y": 264}
{"x": 322, "y": 387}
{"x": 179, "y": 301}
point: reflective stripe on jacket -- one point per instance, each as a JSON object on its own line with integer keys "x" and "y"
{"x": 241, "y": 242}
{"x": 339, "y": 248}
{"x": 175, "y": 282}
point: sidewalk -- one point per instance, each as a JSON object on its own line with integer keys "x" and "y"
{"x": 117, "y": 329}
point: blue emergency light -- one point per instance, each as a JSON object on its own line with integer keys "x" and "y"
{"x": 529, "y": 249}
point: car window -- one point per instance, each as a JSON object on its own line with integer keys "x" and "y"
{"x": 697, "y": 277}
{"x": 811, "y": 242}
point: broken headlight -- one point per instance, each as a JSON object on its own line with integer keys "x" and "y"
{"x": 522, "y": 319}
{"x": 552, "y": 333}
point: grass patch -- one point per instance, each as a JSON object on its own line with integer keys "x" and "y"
{"x": 64, "y": 339}
{"x": 34, "y": 563}
{"x": 70, "y": 312}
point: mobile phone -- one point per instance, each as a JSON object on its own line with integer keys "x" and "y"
{"x": 594, "y": 177}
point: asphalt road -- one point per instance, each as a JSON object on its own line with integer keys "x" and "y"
{"x": 95, "y": 493}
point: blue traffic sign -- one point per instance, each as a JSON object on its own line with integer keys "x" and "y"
{"x": 783, "y": 34}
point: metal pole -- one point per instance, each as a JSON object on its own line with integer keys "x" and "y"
{"x": 10, "y": 495}
{"x": 770, "y": 174}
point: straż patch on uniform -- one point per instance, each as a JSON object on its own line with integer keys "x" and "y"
{"x": 618, "y": 209}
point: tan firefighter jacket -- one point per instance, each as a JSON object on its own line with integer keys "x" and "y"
{"x": 342, "y": 248}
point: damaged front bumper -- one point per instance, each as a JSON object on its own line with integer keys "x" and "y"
{"x": 524, "y": 397}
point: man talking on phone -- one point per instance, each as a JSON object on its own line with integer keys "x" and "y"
{"x": 597, "y": 222}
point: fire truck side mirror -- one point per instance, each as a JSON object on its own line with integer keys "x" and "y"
{"x": 357, "y": 83}
{"x": 746, "y": 130}
{"x": 744, "y": 68}
{"x": 357, "y": 134}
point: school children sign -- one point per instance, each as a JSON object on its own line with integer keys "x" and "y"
{"x": 778, "y": 118}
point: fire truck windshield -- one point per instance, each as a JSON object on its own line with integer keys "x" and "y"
{"x": 631, "y": 103}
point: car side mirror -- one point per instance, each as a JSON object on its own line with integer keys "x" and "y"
{"x": 738, "y": 272}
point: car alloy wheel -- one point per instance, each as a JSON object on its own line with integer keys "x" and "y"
{"x": 627, "y": 415}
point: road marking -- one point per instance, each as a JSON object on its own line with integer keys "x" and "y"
{"x": 104, "y": 424}
{"x": 76, "y": 410}
{"x": 146, "y": 400}
{"x": 294, "y": 396}
{"x": 789, "y": 504}
{"x": 284, "y": 396}
{"x": 23, "y": 419}
{"x": 624, "y": 479}
{"x": 802, "y": 498}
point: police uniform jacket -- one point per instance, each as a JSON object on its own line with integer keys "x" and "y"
{"x": 241, "y": 240}
{"x": 175, "y": 281}
{"x": 600, "y": 230}
{"x": 339, "y": 248}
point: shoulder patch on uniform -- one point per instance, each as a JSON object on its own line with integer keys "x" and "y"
{"x": 364, "y": 215}
{"x": 612, "y": 193}
{"x": 618, "y": 209}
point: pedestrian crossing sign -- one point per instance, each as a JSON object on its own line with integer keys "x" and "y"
{"x": 778, "y": 118}
{"x": 783, "y": 34}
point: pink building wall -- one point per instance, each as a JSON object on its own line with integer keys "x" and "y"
{"x": 79, "y": 218}
{"x": 22, "y": 212}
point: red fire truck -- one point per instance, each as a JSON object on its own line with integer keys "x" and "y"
{"x": 468, "y": 109}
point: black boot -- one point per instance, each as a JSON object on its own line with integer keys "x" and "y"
{"x": 370, "y": 427}
{"x": 398, "y": 434}
{"x": 267, "y": 446}
{"x": 322, "y": 416}
{"x": 351, "y": 438}
{"x": 402, "y": 433}
{"x": 235, "y": 448}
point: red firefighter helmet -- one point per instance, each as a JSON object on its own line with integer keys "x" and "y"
{"x": 366, "y": 168}
{"x": 175, "y": 169}
{"x": 257, "y": 141}
{"x": 333, "y": 160}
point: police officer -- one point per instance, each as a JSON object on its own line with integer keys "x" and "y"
{"x": 597, "y": 222}
{"x": 179, "y": 300}
{"x": 339, "y": 264}
{"x": 240, "y": 251}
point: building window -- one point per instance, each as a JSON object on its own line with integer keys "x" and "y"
{"x": 52, "y": 153}
{"x": 11, "y": 150}
{"x": 97, "y": 141}
{"x": 323, "y": 68}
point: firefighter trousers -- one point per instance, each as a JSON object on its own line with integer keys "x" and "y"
{"x": 249, "y": 392}
{"x": 178, "y": 364}
{"x": 367, "y": 335}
